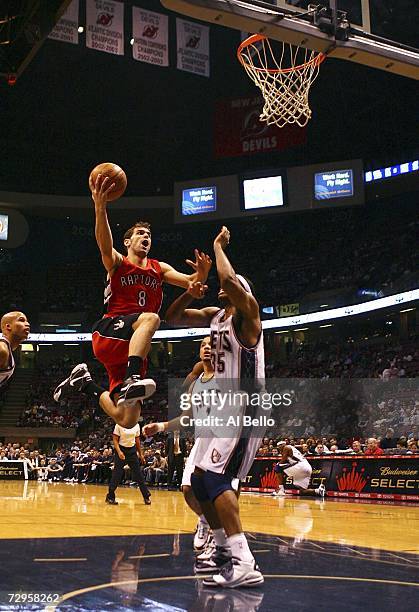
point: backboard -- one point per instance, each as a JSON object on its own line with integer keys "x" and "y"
{"x": 338, "y": 28}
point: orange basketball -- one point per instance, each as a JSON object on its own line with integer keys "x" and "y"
{"x": 116, "y": 175}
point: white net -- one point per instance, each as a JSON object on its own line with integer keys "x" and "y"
{"x": 283, "y": 75}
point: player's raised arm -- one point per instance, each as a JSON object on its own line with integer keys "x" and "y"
{"x": 110, "y": 257}
{"x": 151, "y": 429}
{"x": 240, "y": 297}
{"x": 178, "y": 312}
{"x": 201, "y": 267}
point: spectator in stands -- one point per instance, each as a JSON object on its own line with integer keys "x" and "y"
{"x": 321, "y": 449}
{"x": 388, "y": 441}
{"x": 3, "y": 456}
{"x": 157, "y": 469}
{"x": 356, "y": 447}
{"x": 412, "y": 447}
{"x": 42, "y": 471}
{"x": 55, "y": 470}
{"x": 372, "y": 448}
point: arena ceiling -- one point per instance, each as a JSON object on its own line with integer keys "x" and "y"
{"x": 73, "y": 107}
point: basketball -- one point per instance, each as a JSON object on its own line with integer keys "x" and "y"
{"x": 116, "y": 175}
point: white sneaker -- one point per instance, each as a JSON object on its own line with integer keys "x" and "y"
{"x": 79, "y": 376}
{"x": 279, "y": 493}
{"x": 134, "y": 389}
{"x": 321, "y": 490}
{"x": 201, "y": 536}
{"x": 208, "y": 550}
{"x": 237, "y": 573}
{"x": 221, "y": 556}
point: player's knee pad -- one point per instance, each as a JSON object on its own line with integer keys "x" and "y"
{"x": 215, "y": 484}
{"x": 198, "y": 487}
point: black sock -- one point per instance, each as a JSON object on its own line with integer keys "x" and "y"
{"x": 135, "y": 365}
{"x": 92, "y": 390}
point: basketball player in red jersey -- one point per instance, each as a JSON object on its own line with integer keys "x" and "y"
{"x": 14, "y": 330}
{"x": 133, "y": 296}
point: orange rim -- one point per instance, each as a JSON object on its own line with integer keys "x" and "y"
{"x": 254, "y": 38}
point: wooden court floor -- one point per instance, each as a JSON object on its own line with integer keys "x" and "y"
{"x": 62, "y": 540}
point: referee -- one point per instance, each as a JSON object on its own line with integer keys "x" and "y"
{"x": 128, "y": 451}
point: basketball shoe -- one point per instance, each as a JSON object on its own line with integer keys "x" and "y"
{"x": 321, "y": 490}
{"x": 214, "y": 562}
{"x": 201, "y": 536}
{"x": 135, "y": 388}
{"x": 79, "y": 376}
{"x": 236, "y": 573}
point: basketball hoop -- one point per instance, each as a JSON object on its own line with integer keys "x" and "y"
{"x": 284, "y": 78}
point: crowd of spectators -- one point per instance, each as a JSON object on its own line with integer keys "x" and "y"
{"x": 365, "y": 248}
{"x": 90, "y": 460}
{"x": 313, "y": 446}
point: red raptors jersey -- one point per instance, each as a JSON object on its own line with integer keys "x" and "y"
{"x": 132, "y": 289}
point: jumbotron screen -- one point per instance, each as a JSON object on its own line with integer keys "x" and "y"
{"x": 333, "y": 184}
{"x": 199, "y": 200}
{"x": 263, "y": 192}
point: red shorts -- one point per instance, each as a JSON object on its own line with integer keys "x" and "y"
{"x": 110, "y": 342}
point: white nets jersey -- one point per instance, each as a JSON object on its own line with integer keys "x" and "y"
{"x": 232, "y": 360}
{"x": 7, "y": 373}
{"x": 237, "y": 368}
{"x": 296, "y": 455}
{"x": 299, "y": 468}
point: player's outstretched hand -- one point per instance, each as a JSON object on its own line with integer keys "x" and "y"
{"x": 223, "y": 238}
{"x": 150, "y": 430}
{"x": 101, "y": 189}
{"x": 201, "y": 265}
{"x": 197, "y": 290}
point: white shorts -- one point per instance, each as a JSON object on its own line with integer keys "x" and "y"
{"x": 231, "y": 455}
{"x": 190, "y": 466}
{"x": 301, "y": 473}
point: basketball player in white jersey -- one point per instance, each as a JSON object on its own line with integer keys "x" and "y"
{"x": 238, "y": 356}
{"x": 200, "y": 378}
{"x": 293, "y": 463}
{"x": 15, "y": 329}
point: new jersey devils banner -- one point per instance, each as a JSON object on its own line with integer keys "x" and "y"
{"x": 192, "y": 47}
{"x": 105, "y": 26}
{"x": 238, "y": 130}
{"x": 66, "y": 29}
{"x": 151, "y": 37}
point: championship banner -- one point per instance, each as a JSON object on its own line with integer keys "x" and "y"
{"x": 192, "y": 47}
{"x": 66, "y": 29}
{"x": 364, "y": 477}
{"x": 238, "y": 130}
{"x": 105, "y": 26}
{"x": 13, "y": 470}
{"x": 151, "y": 37}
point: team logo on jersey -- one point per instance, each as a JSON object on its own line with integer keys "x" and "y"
{"x": 215, "y": 456}
{"x": 119, "y": 324}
